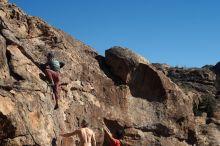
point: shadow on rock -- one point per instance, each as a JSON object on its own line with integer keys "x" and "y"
{"x": 145, "y": 83}
{"x": 53, "y": 143}
{"x": 7, "y": 130}
{"x": 105, "y": 68}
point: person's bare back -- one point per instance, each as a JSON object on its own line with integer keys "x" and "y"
{"x": 87, "y": 136}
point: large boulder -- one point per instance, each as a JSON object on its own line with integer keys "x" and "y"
{"x": 146, "y": 82}
{"x": 122, "y": 89}
{"x": 123, "y": 62}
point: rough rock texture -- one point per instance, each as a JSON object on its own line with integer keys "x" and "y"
{"x": 123, "y": 89}
{"x": 200, "y": 84}
{"x": 3, "y": 1}
{"x": 123, "y": 59}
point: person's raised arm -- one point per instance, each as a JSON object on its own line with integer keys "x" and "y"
{"x": 43, "y": 66}
{"x": 70, "y": 134}
{"x": 108, "y": 133}
{"x": 61, "y": 64}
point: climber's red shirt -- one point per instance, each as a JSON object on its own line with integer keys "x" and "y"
{"x": 116, "y": 142}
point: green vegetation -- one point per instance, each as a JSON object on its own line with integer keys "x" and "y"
{"x": 207, "y": 105}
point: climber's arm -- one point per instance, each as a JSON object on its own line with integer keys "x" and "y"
{"x": 108, "y": 133}
{"x": 61, "y": 64}
{"x": 70, "y": 134}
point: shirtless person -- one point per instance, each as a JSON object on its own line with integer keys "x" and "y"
{"x": 86, "y": 135}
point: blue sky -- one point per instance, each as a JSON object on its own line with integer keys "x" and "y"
{"x": 176, "y": 32}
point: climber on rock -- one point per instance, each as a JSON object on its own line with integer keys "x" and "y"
{"x": 52, "y": 71}
{"x": 86, "y": 135}
{"x": 114, "y": 140}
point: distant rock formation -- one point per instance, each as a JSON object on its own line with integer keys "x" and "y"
{"x": 153, "y": 104}
{"x": 202, "y": 86}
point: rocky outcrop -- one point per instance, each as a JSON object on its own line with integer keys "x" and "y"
{"x": 202, "y": 85}
{"x": 122, "y": 88}
{"x": 145, "y": 82}
{"x": 123, "y": 62}
{"x": 200, "y": 79}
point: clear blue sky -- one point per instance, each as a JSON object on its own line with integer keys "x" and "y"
{"x": 176, "y": 32}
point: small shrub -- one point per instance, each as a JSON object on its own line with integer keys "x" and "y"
{"x": 207, "y": 105}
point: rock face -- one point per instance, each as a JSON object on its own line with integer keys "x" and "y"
{"x": 202, "y": 85}
{"x": 122, "y": 89}
{"x": 123, "y": 59}
{"x": 3, "y": 1}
